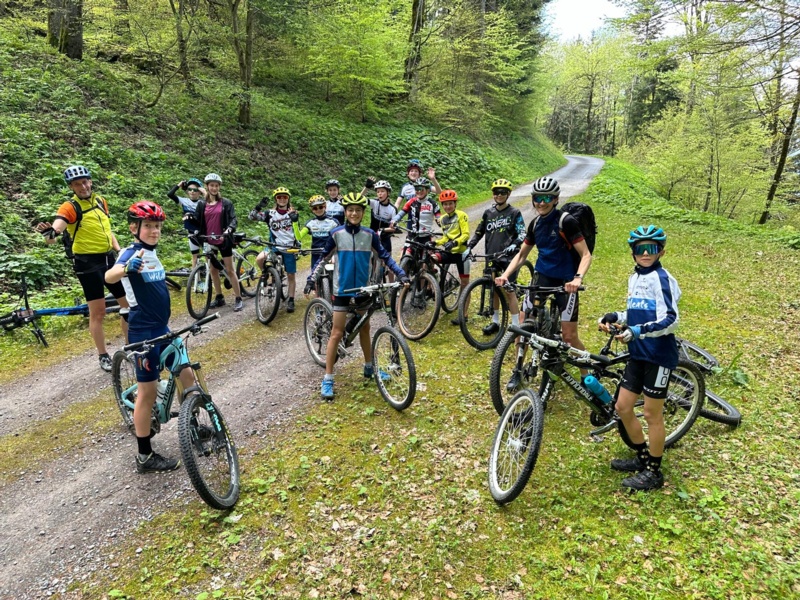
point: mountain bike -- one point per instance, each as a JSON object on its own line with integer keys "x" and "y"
{"x": 273, "y": 284}
{"x": 477, "y": 303}
{"x": 392, "y": 361}
{"x": 324, "y": 282}
{"x": 418, "y": 305}
{"x": 199, "y": 287}
{"x": 25, "y": 315}
{"x": 207, "y": 447}
{"x": 510, "y": 371}
{"x": 516, "y": 442}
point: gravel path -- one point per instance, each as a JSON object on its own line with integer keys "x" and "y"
{"x": 57, "y": 523}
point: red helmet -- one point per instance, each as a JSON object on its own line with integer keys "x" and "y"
{"x": 145, "y": 210}
{"x": 448, "y": 196}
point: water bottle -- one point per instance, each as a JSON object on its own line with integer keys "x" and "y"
{"x": 161, "y": 391}
{"x": 597, "y": 389}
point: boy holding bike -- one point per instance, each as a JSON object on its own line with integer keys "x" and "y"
{"x": 354, "y": 246}
{"x": 649, "y": 321}
{"x": 455, "y": 234}
{"x": 143, "y": 277}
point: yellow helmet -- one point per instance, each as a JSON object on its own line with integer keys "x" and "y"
{"x": 317, "y": 200}
{"x": 281, "y": 190}
{"x": 501, "y": 184}
{"x": 354, "y": 199}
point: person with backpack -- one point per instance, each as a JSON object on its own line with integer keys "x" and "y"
{"x": 91, "y": 246}
{"x": 564, "y": 258}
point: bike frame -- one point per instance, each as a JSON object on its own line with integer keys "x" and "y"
{"x": 378, "y": 301}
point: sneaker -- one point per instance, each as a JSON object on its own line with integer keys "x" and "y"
{"x": 105, "y": 363}
{"x": 217, "y": 302}
{"x": 491, "y": 328}
{"x": 327, "y": 389}
{"x": 628, "y": 465}
{"x": 290, "y": 306}
{"x": 644, "y": 481}
{"x": 369, "y": 371}
{"x": 513, "y": 383}
{"x": 155, "y": 463}
{"x": 238, "y": 305}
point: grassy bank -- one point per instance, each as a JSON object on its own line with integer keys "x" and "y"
{"x": 360, "y": 500}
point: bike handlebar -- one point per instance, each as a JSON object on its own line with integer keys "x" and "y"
{"x": 195, "y": 328}
{"x": 371, "y": 289}
{"x": 560, "y": 346}
{"x": 539, "y": 289}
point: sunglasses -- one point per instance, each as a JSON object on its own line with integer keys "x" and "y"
{"x": 651, "y": 249}
{"x": 318, "y": 207}
{"x": 537, "y": 199}
{"x": 192, "y": 190}
{"x": 500, "y": 192}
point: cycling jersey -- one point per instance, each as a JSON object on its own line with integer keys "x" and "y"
{"x": 555, "y": 259}
{"x": 354, "y": 246}
{"x": 503, "y": 228}
{"x": 422, "y": 215}
{"x": 455, "y": 228}
{"x": 146, "y": 291}
{"x": 335, "y": 210}
{"x": 409, "y": 192}
{"x": 381, "y": 214}
{"x": 94, "y": 233}
{"x": 280, "y": 222}
{"x": 653, "y": 296}
{"x": 320, "y": 230}
{"x": 188, "y": 207}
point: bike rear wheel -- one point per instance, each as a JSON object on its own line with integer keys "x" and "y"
{"x": 393, "y": 364}
{"x": 524, "y": 361}
{"x": 418, "y": 306}
{"x": 268, "y": 295}
{"x": 451, "y": 287}
{"x": 317, "y": 326}
{"x": 682, "y": 405}
{"x": 208, "y": 451}
{"x": 525, "y": 273}
{"x": 198, "y": 291}
{"x": 475, "y": 310}
{"x": 248, "y": 272}
{"x": 515, "y": 446}
{"x": 123, "y": 381}
{"x": 704, "y": 360}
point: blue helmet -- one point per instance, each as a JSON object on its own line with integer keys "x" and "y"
{"x": 651, "y": 233}
{"x": 76, "y": 172}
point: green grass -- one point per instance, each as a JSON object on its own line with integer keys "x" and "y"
{"x": 360, "y": 500}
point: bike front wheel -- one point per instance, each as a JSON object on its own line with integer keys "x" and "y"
{"x": 451, "y": 287}
{"x": 248, "y": 273}
{"x": 208, "y": 451}
{"x": 515, "y": 446}
{"x": 123, "y": 381}
{"x": 325, "y": 289}
{"x": 718, "y": 410}
{"x": 317, "y": 326}
{"x": 418, "y": 306}
{"x": 684, "y": 401}
{"x": 475, "y": 311}
{"x": 198, "y": 291}
{"x": 268, "y": 295}
{"x": 393, "y": 364}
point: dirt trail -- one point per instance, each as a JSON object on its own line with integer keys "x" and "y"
{"x": 56, "y": 522}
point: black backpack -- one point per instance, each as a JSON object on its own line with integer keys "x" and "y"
{"x": 584, "y": 215}
{"x": 69, "y": 239}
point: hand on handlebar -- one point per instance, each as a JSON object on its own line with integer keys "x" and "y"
{"x": 501, "y": 280}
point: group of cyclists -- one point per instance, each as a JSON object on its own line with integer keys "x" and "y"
{"x": 137, "y": 278}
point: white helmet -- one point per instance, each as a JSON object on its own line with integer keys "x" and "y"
{"x": 213, "y": 177}
{"x": 383, "y": 184}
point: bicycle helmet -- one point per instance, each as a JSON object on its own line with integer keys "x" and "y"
{"x": 448, "y": 196}
{"x": 145, "y": 210}
{"x": 501, "y": 184}
{"x": 195, "y": 181}
{"x": 331, "y": 183}
{"x": 354, "y": 199}
{"x": 76, "y": 172}
{"x": 414, "y": 164}
{"x": 422, "y": 182}
{"x": 213, "y": 177}
{"x": 316, "y": 200}
{"x": 383, "y": 184}
{"x": 546, "y": 185}
{"x": 281, "y": 190}
{"x": 651, "y": 233}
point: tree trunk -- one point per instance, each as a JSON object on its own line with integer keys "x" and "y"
{"x": 70, "y": 41}
{"x": 245, "y": 56}
{"x": 415, "y": 51}
{"x": 55, "y": 18}
{"x": 179, "y": 12}
{"x": 122, "y": 26}
{"x": 787, "y": 139}
{"x": 589, "y": 117}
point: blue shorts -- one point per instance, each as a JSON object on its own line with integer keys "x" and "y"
{"x": 148, "y": 367}
{"x": 289, "y": 262}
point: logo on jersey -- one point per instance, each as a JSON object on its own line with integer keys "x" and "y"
{"x": 641, "y": 304}
{"x": 498, "y": 224}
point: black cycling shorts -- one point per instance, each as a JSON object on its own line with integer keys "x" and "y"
{"x": 646, "y": 378}
{"x": 344, "y": 303}
{"x": 226, "y": 248}
{"x": 450, "y": 258}
{"x": 568, "y": 304}
{"x": 91, "y": 271}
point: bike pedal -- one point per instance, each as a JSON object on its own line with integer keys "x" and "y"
{"x": 173, "y": 414}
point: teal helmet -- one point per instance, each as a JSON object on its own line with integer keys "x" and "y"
{"x": 651, "y": 233}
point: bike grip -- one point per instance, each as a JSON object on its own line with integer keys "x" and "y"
{"x": 519, "y": 330}
{"x": 600, "y": 358}
{"x": 207, "y": 319}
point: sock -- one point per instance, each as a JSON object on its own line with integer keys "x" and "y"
{"x": 496, "y": 317}
{"x": 641, "y": 452}
{"x": 368, "y": 365}
{"x": 327, "y": 377}
{"x": 291, "y": 298}
{"x": 145, "y": 449}
{"x": 515, "y": 319}
{"x": 653, "y": 463}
